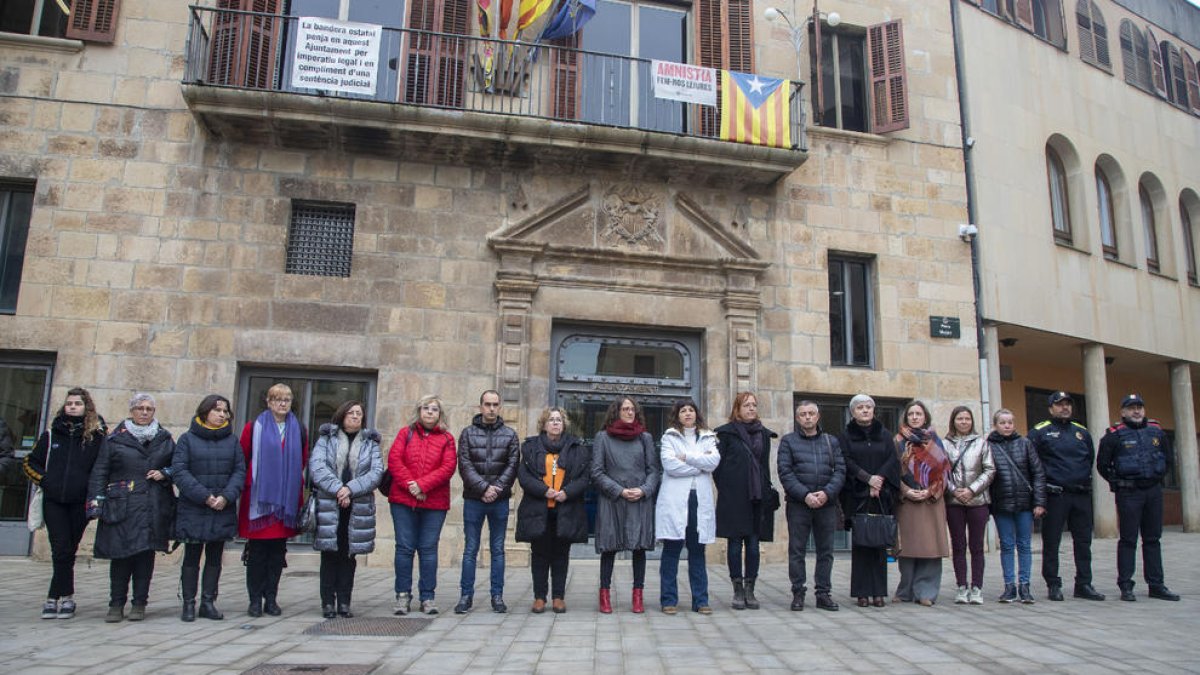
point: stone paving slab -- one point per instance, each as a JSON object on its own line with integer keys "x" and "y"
{"x": 1074, "y": 636}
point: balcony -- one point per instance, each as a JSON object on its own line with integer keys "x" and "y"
{"x": 460, "y": 99}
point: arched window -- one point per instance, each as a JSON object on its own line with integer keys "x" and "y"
{"x": 1093, "y": 34}
{"x": 1108, "y": 220}
{"x": 1135, "y": 55}
{"x": 1189, "y": 206}
{"x": 1149, "y": 227}
{"x": 1193, "y": 81}
{"x": 1176, "y": 81}
{"x": 1060, "y": 213}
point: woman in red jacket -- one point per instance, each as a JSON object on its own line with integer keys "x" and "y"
{"x": 421, "y": 462}
{"x": 276, "y": 448}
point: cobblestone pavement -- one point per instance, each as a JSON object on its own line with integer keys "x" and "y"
{"x": 1071, "y": 636}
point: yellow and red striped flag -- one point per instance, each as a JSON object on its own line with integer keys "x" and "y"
{"x": 755, "y": 109}
{"x": 529, "y": 12}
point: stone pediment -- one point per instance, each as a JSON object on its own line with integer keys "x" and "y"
{"x": 640, "y": 238}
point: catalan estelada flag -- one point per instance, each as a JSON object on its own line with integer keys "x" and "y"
{"x": 755, "y": 110}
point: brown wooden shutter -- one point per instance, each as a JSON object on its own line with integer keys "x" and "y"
{"x": 435, "y": 66}
{"x": 1024, "y": 11}
{"x": 564, "y": 62}
{"x": 724, "y": 40}
{"x": 1193, "y": 81}
{"x": 889, "y": 79}
{"x": 1176, "y": 78}
{"x": 243, "y": 47}
{"x": 1158, "y": 77}
{"x": 740, "y": 21}
{"x": 1087, "y": 40}
{"x": 93, "y": 20}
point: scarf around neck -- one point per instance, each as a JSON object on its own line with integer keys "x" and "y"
{"x": 626, "y": 431}
{"x": 553, "y": 447}
{"x": 144, "y": 434}
{"x": 277, "y": 472}
{"x": 924, "y": 458}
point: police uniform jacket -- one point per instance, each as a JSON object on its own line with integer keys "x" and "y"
{"x": 1134, "y": 455}
{"x": 1066, "y": 450}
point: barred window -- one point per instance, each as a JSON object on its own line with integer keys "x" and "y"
{"x": 320, "y": 239}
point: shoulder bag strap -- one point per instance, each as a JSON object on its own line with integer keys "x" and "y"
{"x": 1013, "y": 464}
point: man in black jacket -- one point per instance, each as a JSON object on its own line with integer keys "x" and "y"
{"x": 1135, "y": 455}
{"x": 1066, "y": 450}
{"x": 812, "y": 472}
{"x": 487, "y": 461}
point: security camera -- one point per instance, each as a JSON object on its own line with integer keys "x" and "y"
{"x": 967, "y": 231}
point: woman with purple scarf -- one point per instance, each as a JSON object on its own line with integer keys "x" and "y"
{"x": 276, "y": 449}
{"x": 921, "y": 517}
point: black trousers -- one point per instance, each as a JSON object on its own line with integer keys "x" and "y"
{"x": 821, "y": 523}
{"x": 338, "y": 567}
{"x": 265, "y": 560}
{"x": 1071, "y": 510}
{"x": 140, "y": 568}
{"x": 549, "y": 556}
{"x": 189, "y": 569}
{"x": 1140, "y": 510}
{"x": 65, "y": 524}
{"x": 608, "y": 561}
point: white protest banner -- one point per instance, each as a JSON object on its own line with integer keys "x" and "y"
{"x": 681, "y": 82}
{"x": 336, "y": 55}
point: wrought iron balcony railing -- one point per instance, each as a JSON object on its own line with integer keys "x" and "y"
{"x": 251, "y": 50}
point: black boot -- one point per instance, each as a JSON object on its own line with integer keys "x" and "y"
{"x": 188, "y": 577}
{"x": 739, "y": 595}
{"x": 751, "y": 601}
{"x": 256, "y": 576}
{"x": 271, "y": 588}
{"x": 208, "y": 594}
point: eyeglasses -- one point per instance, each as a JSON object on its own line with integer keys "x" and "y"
{"x": 281, "y": 400}
{"x": 554, "y": 420}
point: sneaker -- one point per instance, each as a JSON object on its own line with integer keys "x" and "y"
{"x": 116, "y": 614}
{"x": 962, "y": 596}
{"x": 428, "y": 607}
{"x": 137, "y": 612}
{"x": 464, "y": 604}
{"x": 66, "y": 609}
{"x": 50, "y": 609}
{"x": 1009, "y": 594}
{"x": 1024, "y": 594}
{"x": 498, "y": 605}
{"x": 403, "y": 604}
{"x": 975, "y": 596}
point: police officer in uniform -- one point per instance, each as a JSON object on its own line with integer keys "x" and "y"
{"x": 1067, "y": 453}
{"x": 1135, "y": 454}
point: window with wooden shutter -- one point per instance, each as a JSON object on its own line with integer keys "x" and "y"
{"x": 94, "y": 20}
{"x": 889, "y": 81}
{"x": 564, "y": 62}
{"x": 1100, "y": 36}
{"x": 244, "y": 47}
{"x": 1158, "y": 77}
{"x": 1193, "y": 81}
{"x": 724, "y": 40}
{"x": 1023, "y": 10}
{"x": 1087, "y": 41}
{"x": 1176, "y": 80}
{"x": 1129, "y": 61}
{"x": 435, "y": 67}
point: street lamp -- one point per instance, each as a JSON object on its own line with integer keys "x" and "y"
{"x": 796, "y": 30}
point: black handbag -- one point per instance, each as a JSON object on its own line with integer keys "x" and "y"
{"x": 874, "y": 530}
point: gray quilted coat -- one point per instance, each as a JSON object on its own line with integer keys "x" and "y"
{"x": 617, "y": 464}
{"x": 327, "y": 480}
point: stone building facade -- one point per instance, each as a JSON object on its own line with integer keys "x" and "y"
{"x": 485, "y": 246}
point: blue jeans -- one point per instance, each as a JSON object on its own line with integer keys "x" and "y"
{"x": 417, "y": 532}
{"x": 1015, "y": 531}
{"x": 668, "y": 567}
{"x": 474, "y": 513}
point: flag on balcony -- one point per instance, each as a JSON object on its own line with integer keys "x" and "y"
{"x": 485, "y": 18}
{"x": 530, "y": 11}
{"x": 755, "y": 109}
{"x": 568, "y": 19}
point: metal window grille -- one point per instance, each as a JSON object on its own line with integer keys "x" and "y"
{"x": 320, "y": 239}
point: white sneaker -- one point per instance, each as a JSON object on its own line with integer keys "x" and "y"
{"x": 976, "y": 596}
{"x": 403, "y": 604}
{"x": 427, "y": 607}
{"x": 962, "y": 597}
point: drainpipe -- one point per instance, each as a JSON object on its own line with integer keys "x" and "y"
{"x": 969, "y": 169}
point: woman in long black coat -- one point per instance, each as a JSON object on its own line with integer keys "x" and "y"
{"x": 872, "y": 483}
{"x": 746, "y": 501}
{"x": 209, "y": 470}
{"x": 554, "y": 475}
{"x": 131, "y": 493}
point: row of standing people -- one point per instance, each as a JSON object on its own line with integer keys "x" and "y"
{"x": 910, "y": 473}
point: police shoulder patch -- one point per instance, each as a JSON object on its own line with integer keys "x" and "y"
{"x": 1041, "y": 425}
{"x": 1153, "y": 423}
{"x": 1078, "y": 425}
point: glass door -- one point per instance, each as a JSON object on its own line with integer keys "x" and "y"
{"x": 24, "y": 402}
